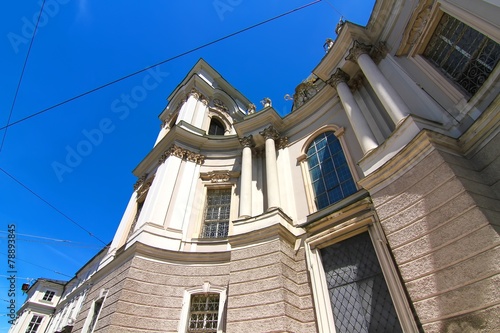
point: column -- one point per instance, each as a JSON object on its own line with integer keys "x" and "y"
{"x": 391, "y": 100}
{"x": 246, "y": 177}
{"x": 273, "y": 199}
{"x": 358, "y": 122}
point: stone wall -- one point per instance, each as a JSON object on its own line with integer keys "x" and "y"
{"x": 269, "y": 290}
{"x": 438, "y": 218}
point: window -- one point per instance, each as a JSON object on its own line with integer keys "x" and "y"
{"x": 359, "y": 296}
{"x": 216, "y": 127}
{"x": 203, "y": 309}
{"x": 34, "y": 324}
{"x": 48, "y": 296}
{"x": 465, "y": 55}
{"x": 136, "y": 217}
{"x": 217, "y": 212}
{"x": 330, "y": 175}
{"x": 94, "y": 311}
{"x": 203, "y": 313}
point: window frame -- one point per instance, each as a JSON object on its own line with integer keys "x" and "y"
{"x": 30, "y": 329}
{"x": 464, "y": 103}
{"x": 321, "y": 297}
{"x": 205, "y": 206}
{"x": 206, "y": 288}
{"x": 219, "y": 123}
{"x": 49, "y": 294}
{"x": 304, "y": 165}
{"x": 92, "y": 316}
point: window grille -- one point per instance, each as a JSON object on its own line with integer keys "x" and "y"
{"x": 217, "y": 212}
{"x": 359, "y": 297}
{"x": 48, "y": 296}
{"x": 330, "y": 175}
{"x": 204, "y": 313}
{"x": 34, "y": 324}
{"x": 465, "y": 55}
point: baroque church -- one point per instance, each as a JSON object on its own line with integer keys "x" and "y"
{"x": 374, "y": 206}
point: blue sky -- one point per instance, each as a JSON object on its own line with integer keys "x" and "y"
{"x": 81, "y": 45}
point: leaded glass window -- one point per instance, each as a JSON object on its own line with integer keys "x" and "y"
{"x": 203, "y": 313}
{"x": 217, "y": 212}
{"x": 462, "y": 53}
{"x": 34, "y": 324}
{"x": 359, "y": 296}
{"x": 330, "y": 175}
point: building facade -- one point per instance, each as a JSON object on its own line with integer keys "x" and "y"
{"x": 372, "y": 207}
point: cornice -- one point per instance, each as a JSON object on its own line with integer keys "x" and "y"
{"x": 420, "y": 146}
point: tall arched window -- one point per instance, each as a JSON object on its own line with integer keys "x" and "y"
{"x": 330, "y": 175}
{"x": 216, "y": 127}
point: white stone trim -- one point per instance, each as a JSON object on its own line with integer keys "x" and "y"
{"x": 206, "y": 288}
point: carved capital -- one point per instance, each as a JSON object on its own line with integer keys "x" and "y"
{"x": 337, "y": 77}
{"x": 182, "y": 154}
{"x": 270, "y": 133}
{"x": 282, "y": 142}
{"x": 379, "y": 52}
{"x": 356, "y": 82}
{"x": 247, "y": 141}
{"x": 139, "y": 182}
{"x": 358, "y": 49}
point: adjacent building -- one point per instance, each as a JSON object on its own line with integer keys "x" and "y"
{"x": 372, "y": 207}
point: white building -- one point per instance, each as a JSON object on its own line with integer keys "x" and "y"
{"x": 371, "y": 207}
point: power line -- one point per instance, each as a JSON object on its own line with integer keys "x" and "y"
{"x": 160, "y": 63}
{"x": 52, "y": 206}
{"x": 48, "y": 242}
{"x": 49, "y": 269}
{"x": 21, "y": 76}
{"x": 48, "y": 238}
{"x": 335, "y": 9}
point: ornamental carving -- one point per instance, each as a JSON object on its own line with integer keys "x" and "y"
{"x": 416, "y": 26}
{"x": 266, "y": 102}
{"x": 198, "y": 95}
{"x": 182, "y": 154}
{"x": 247, "y": 141}
{"x": 219, "y": 176}
{"x": 379, "y": 52}
{"x": 251, "y": 108}
{"x": 220, "y": 104}
{"x": 270, "y": 133}
{"x": 142, "y": 185}
{"x": 337, "y": 77}
{"x": 139, "y": 182}
{"x": 282, "y": 142}
{"x": 358, "y": 49}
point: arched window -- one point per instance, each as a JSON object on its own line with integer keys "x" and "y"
{"x": 216, "y": 127}
{"x": 330, "y": 175}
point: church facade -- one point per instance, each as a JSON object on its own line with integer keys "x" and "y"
{"x": 372, "y": 207}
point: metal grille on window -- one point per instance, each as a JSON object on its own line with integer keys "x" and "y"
{"x": 217, "y": 212}
{"x": 359, "y": 297}
{"x": 330, "y": 174}
{"x": 34, "y": 324}
{"x": 464, "y": 54}
{"x": 203, "y": 313}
